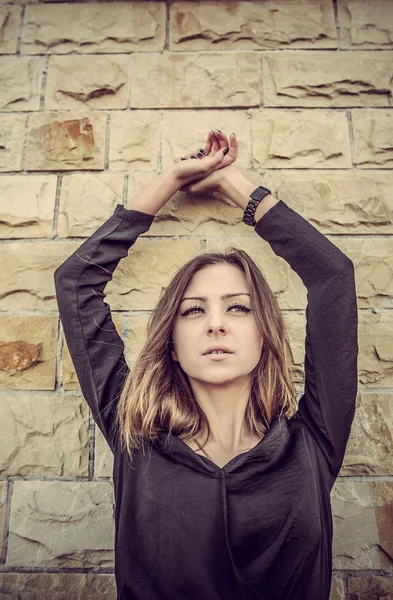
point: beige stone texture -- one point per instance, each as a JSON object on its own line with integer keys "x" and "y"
{"x": 252, "y": 25}
{"x": 3, "y": 508}
{"x": 61, "y": 524}
{"x": 186, "y": 132}
{"x": 135, "y": 336}
{"x": 87, "y": 200}
{"x": 337, "y": 591}
{"x": 9, "y": 25}
{"x": 103, "y": 457}
{"x": 68, "y": 375}
{"x": 370, "y": 445}
{"x": 94, "y": 82}
{"x": 375, "y": 349}
{"x": 20, "y": 82}
{"x": 60, "y": 141}
{"x": 197, "y": 80}
{"x": 302, "y": 138}
{"x": 365, "y": 24}
{"x": 57, "y": 586}
{"x": 44, "y": 435}
{"x": 370, "y": 587}
{"x": 27, "y": 205}
{"x": 338, "y": 202}
{"x": 327, "y": 78}
{"x": 12, "y": 133}
{"x": 28, "y": 352}
{"x": 362, "y": 524}
{"x": 86, "y": 28}
{"x": 134, "y": 139}
{"x": 373, "y": 135}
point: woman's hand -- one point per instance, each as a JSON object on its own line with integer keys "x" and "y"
{"x": 206, "y": 174}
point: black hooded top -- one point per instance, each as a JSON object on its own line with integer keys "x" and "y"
{"x": 261, "y": 526}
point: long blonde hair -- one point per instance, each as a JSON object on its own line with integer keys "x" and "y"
{"x": 157, "y": 395}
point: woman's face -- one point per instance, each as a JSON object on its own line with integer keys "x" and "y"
{"x": 216, "y": 321}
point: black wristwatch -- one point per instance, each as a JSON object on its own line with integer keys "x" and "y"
{"x": 256, "y": 196}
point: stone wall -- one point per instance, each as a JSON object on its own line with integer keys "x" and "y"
{"x": 95, "y": 100}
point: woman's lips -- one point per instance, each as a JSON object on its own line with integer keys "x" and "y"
{"x": 218, "y": 356}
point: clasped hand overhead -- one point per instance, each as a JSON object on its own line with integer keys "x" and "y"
{"x": 202, "y": 171}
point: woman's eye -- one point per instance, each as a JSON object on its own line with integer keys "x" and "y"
{"x": 193, "y": 309}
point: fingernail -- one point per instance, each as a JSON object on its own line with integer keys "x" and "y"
{"x": 194, "y": 157}
{"x": 234, "y": 134}
{"x": 219, "y": 130}
{"x": 199, "y": 155}
{"x": 183, "y": 159}
{"x": 225, "y": 150}
{"x": 202, "y": 150}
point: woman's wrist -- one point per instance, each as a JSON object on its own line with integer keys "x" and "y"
{"x": 156, "y": 194}
{"x": 238, "y": 189}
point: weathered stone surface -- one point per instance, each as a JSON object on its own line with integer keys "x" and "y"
{"x": 87, "y": 200}
{"x": 65, "y": 141}
{"x": 44, "y": 435}
{"x": 68, "y": 375}
{"x": 373, "y": 260}
{"x": 337, "y": 591}
{"x": 376, "y": 349}
{"x": 94, "y": 27}
{"x": 252, "y": 25}
{"x": 338, "y": 201}
{"x": 90, "y": 81}
{"x": 135, "y": 336}
{"x": 301, "y": 138}
{"x": 370, "y": 588}
{"x": 12, "y": 133}
{"x": 35, "y": 336}
{"x": 9, "y": 25}
{"x": 103, "y": 457}
{"x": 3, "y": 507}
{"x": 27, "y": 206}
{"x": 370, "y": 445}
{"x": 187, "y": 131}
{"x": 364, "y": 25}
{"x": 134, "y": 139}
{"x": 20, "y": 82}
{"x": 373, "y": 135}
{"x": 57, "y": 586}
{"x": 199, "y": 81}
{"x": 327, "y": 78}
{"x": 363, "y": 524}
{"x": 61, "y": 524}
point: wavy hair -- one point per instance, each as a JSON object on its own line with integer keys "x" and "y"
{"x": 157, "y": 395}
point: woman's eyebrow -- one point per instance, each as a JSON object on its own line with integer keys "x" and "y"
{"x": 222, "y": 297}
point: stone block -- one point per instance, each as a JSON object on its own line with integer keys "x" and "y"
{"x": 373, "y": 134}
{"x": 87, "y": 200}
{"x": 369, "y": 587}
{"x": 96, "y": 27}
{"x": 95, "y": 82}
{"x": 375, "y": 349}
{"x": 44, "y": 436}
{"x": 9, "y": 25}
{"x": 365, "y": 25}
{"x": 135, "y": 336}
{"x": 327, "y": 78}
{"x": 61, "y": 524}
{"x": 12, "y": 133}
{"x": 300, "y": 139}
{"x": 20, "y": 82}
{"x": 27, "y": 205}
{"x": 3, "y": 508}
{"x": 60, "y": 141}
{"x": 134, "y": 140}
{"x": 252, "y": 25}
{"x": 197, "y": 80}
{"x": 28, "y": 352}
{"x": 103, "y": 457}
{"x": 57, "y": 586}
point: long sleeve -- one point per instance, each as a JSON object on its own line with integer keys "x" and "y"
{"x": 327, "y": 407}
{"x": 96, "y": 349}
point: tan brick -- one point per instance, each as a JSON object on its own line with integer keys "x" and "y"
{"x": 134, "y": 140}
{"x": 27, "y": 205}
{"x": 327, "y": 78}
{"x": 58, "y": 586}
{"x": 252, "y": 25}
{"x": 9, "y": 25}
{"x": 135, "y": 336}
{"x": 375, "y": 343}
{"x": 87, "y": 200}
{"x": 29, "y": 364}
{"x": 365, "y": 24}
{"x": 337, "y": 591}
{"x": 44, "y": 436}
{"x": 3, "y": 508}
{"x": 369, "y": 587}
{"x": 95, "y": 82}
{"x": 373, "y": 134}
{"x": 94, "y": 27}
{"x": 12, "y": 133}
{"x": 66, "y": 140}
{"x": 103, "y": 457}
{"x": 78, "y": 523}
{"x": 197, "y": 80}
{"x": 20, "y": 82}
{"x": 301, "y": 138}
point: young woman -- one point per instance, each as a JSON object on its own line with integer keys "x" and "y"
{"x": 222, "y": 482}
